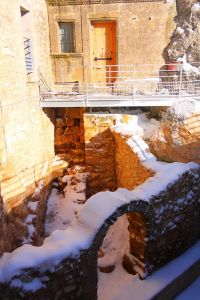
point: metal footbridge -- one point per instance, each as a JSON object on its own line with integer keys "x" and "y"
{"x": 128, "y": 86}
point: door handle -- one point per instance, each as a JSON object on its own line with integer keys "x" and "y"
{"x": 102, "y": 58}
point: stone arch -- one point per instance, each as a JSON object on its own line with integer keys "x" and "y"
{"x": 139, "y": 206}
{"x": 134, "y": 206}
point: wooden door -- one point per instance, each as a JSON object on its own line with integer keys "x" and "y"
{"x": 103, "y": 39}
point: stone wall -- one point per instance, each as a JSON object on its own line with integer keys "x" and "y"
{"x": 141, "y": 25}
{"x": 26, "y": 131}
{"x": 130, "y": 173}
{"x": 178, "y": 137}
{"x": 99, "y": 152}
{"x": 129, "y": 170}
{"x": 86, "y": 138}
{"x": 171, "y": 224}
{"x": 69, "y": 135}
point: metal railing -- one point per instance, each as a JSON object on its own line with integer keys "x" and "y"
{"x": 89, "y": 2}
{"x": 132, "y": 82}
{"x": 28, "y": 55}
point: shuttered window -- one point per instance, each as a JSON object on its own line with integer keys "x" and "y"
{"x": 27, "y": 39}
{"x": 66, "y": 35}
{"x": 28, "y": 55}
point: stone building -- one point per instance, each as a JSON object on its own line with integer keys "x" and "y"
{"x": 87, "y": 36}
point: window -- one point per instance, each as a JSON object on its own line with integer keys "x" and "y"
{"x": 66, "y": 36}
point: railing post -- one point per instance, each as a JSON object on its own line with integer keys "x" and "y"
{"x": 109, "y": 79}
{"x": 181, "y": 79}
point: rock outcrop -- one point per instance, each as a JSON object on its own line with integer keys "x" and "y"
{"x": 186, "y": 38}
{"x": 178, "y": 136}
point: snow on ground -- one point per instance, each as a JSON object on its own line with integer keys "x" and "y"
{"x": 115, "y": 244}
{"x": 111, "y": 285}
{"x": 62, "y": 209}
{"x": 31, "y": 229}
{"x": 119, "y": 285}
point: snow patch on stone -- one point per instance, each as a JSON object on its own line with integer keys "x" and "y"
{"x": 187, "y": 67}
{"x": 185, "y": 108}
{"x": 196, "y": 8}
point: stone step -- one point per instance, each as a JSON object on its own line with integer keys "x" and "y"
{"x": 180, "y": 283}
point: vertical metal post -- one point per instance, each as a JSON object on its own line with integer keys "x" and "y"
{"x": 109, "y": 80}
{"x": 181, "y": 79}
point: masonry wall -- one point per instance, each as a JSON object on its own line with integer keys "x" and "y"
{"x": 26, "y": 131}
{"x": 86, "y": 139}
{"x": 169, "y": 226}
{"x": 129, "y": 170}
{"x": 177, "y": 138}
{"x": 99, "y": 152}
{"x": 69, "y": 135}
{"x": 130, "y": 173}
{"x": 143, "y": 31}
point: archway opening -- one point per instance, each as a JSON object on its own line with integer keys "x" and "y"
{"x": 122, "y": 255}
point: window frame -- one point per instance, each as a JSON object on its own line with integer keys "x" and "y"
{"x": 73, "y": 37}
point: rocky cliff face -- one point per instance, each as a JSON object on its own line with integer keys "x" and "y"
{"x": 178, "y": 136}
{"x": 186, "y": 37}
